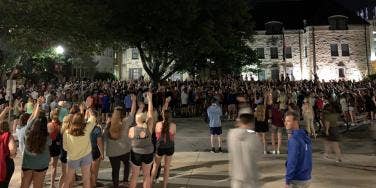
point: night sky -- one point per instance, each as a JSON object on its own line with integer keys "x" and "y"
{"x": 350, "y": 4}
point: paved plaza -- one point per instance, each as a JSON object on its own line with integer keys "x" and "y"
{"x": 194, "y": 166}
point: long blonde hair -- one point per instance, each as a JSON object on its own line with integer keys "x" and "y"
{"x": 116, "y": 124}
{"x": 260, "y": 112}
{"x": 66, "y": 123}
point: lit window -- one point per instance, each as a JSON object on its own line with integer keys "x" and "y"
{"x": 134, "y": 53}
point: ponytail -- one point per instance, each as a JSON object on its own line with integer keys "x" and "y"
{"x": 166, "y": 123}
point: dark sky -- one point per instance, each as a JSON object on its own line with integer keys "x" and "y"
{"x": 356, "y": 4}
{"x": 350, "y": 4}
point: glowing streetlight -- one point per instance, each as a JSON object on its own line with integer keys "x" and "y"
{"x": 59, "y": 50}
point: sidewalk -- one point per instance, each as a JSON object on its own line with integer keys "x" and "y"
{"x": 193, "y": 165}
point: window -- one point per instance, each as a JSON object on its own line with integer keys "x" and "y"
{"x": 288, "y": 52}
{"x": 341, "y": 73}
{"x": 334, "y": 49}
{"x": 135, "y": 74}
{"x": 135, "y": 53}
{"x": 305, "y": 51}
{"x": 345, "y": 50}
{"x": 338, "y": 22}
{"x": 260, "y": 53}
{"x": 273, "y": 28}
{"x": 274, "y": 53}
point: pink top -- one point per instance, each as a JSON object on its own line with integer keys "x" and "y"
{"x": 159, "y": 134}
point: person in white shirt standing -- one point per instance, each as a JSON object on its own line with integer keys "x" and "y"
{"x": 184, "y": 102}
{"x": 214, "y": 114}
{"x": 245, "y": 150}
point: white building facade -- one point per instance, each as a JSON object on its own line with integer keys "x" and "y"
{"x": 334, "y": 45}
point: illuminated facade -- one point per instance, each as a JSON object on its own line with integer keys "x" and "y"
{"x": 300, "y": 38}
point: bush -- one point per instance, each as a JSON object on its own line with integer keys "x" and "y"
{"x": 104, "y": 76}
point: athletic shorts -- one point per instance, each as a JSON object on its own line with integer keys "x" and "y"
{"x": 84, "y": 161}
{"x": 165, "y": 151}
{"x": 95, "y": 153}
{"x": 215, "y": 130}
{"x": 55, "y": 149}
{"x": 63, "y": 156}
{"x": 138, "y": 159}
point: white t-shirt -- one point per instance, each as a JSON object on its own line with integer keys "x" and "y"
{"x": 184, "y": 98}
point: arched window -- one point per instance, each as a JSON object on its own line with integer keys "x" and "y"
{"x": 338, "y": 22}
{"x": 273, "y": 27}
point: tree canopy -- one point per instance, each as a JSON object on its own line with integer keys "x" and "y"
{"x": 170, "y": 35}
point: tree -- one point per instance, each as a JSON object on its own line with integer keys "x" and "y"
{"x": 174, "y": 35}
{"x": 170, "y": 35}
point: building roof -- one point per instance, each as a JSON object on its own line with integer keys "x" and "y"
{"x": 292, "y": 13}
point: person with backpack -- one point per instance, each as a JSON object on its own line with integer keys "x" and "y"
{"x": 8, "y": 150}
{"x": 117, "y": 142}
{"x": 55, "y": 148}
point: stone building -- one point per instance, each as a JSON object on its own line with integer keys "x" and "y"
{"x": 301, "y": 38}
{"x": 368, "y": 12}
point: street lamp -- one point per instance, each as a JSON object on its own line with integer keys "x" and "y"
{"x": 59, "y": 50}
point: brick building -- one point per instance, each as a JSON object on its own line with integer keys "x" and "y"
{"x": 300, "y": 38}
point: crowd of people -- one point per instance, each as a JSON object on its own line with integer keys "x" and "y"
{"x": 78, "y": 123}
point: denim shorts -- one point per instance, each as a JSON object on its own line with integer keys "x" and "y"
{"x": 84, "y": 161}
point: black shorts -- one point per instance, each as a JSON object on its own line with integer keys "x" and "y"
{"x": 55, "y": 149}
{"x": 63, "y": 156}
{"x": 138, "y": 159}
{"x": 127, "y": 110}
{"x": 165, "y": 151}
{"x": 36, "y": 170}
{"x": 95, "y": 153}
{"x": 215, "y": 130}
{"x": 184, "y": 105}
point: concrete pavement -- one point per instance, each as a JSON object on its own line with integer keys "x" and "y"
{"x": 194, "y": 166}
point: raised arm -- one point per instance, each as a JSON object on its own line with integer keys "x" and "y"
{"x": 149, "y": 96}
{"x": 36, "y": 110}
{"x": 166, "y": 104}
{"x": 4, "y": 113}
{"x": 134, "y": 104}
{"x": 150, "y": 113}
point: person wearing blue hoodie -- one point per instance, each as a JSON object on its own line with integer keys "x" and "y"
{"x": 299, "y": 158}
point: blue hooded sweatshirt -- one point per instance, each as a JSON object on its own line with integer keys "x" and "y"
{"x": 299, "y": 159}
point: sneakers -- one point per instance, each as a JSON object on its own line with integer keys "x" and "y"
{"x": 276, "y": 152}
{"x": 339, "y": 161}
{"x": 212, "y": 150}
{"x": 265, "y": 152}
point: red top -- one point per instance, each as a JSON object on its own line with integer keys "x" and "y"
{"x": 55, "y": 127}
{"x": 277, "y": 118}
{"x": 4, "y": 154}
{"x": 320, "y": 103}
{"x": 159, "y": 134}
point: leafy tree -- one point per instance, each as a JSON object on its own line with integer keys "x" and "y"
{"x": 170, "y": 35}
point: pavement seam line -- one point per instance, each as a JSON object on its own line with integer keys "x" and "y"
{"x": 190, "y": 175}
